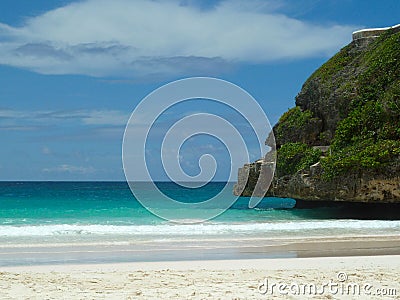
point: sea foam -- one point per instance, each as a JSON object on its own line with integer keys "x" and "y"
{"x": 199, "y": 229}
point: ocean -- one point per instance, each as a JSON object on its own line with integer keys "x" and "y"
{"x": 83, "y": 214}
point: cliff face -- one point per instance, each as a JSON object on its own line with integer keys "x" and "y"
{"x": 342, "y": 140}
{"x": 368, "y": 186}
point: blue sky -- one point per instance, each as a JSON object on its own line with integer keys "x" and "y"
{"x": 72, "y": 71}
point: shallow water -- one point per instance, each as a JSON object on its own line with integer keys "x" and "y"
{"x": 71, "y": 212}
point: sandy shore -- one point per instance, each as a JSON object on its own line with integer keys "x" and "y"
{"x": 297, "y": 278}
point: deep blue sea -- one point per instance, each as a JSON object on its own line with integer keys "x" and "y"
{"x": 84, "y": 212}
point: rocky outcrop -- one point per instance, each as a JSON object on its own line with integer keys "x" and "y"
{"x": 307, "y": 185}
{"x": 357, "y": 87}
{"x": 368, "y": 187}
{"x": 254, "y": 179}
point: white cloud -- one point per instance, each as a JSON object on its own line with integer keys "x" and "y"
{"x": 70, "y": 169}
{"x": 142, "y": 38}
{"x": 111, "y": 117}
{"x": 86, "y": 117}
{"x": 18, "y": 128}
{"x": 11, "y": 114}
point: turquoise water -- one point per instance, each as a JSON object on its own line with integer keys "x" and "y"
{"x": 83, "y": 212}
{"x": 111, "y": 203}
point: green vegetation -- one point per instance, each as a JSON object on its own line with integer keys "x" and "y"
{"x": 292, "y": 121}
{"x": 293, "y": 157}
{"x": 340, "y": 60}
{"x": 365, "y": 84}
{"x": 366, "y": 154}
{"x": 383, "y": 68}
{"x": 369, "y": 137}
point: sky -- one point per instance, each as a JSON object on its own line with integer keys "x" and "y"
{"x": 72, "y": 72}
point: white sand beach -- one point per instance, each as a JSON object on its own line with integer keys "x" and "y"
{"x": 356, "y": 277}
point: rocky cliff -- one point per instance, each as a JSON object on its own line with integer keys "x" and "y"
{"x": 341, "y": 142}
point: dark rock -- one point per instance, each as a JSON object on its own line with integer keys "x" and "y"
{"x": 372, "y": 187}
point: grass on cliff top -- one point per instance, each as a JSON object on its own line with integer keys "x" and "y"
{"x": 369, "y": 137}
{"x": 344, "y": 58}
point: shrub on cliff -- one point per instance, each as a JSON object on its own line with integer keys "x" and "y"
{"x": 293, "y": 157}
{"x": 363, "y": 155}
{"x": 369, "y": 137}
{"x": 296, "y": 125}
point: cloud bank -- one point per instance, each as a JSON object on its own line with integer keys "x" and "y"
{"x": 25, "y": 119}
{"x": 142, "y": 38}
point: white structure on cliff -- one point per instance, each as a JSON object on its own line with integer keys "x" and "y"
{"x": 373, "y": 32}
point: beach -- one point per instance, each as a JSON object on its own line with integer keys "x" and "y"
{"x": 94, "y": 241}
{"x": 331, "y": 268}
{"x": 357, "y": 277}
{"x": 199, "y": 149}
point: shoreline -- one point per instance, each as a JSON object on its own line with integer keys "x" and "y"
{"x": 210, "y": 250}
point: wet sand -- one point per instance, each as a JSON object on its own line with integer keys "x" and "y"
{"x": 217, "y": 249}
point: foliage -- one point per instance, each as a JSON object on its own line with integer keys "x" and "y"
{"x": 382, "y": 68}
{"x": 325, "y": 137}
{"x": 291, "y": 121}
{"x": 293, "y": 157}
{"x": 335, "y": 64}
{"x": 369, "y": 137}
{"x": 368, "y": 101}
{"x": 366, "y": 154}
